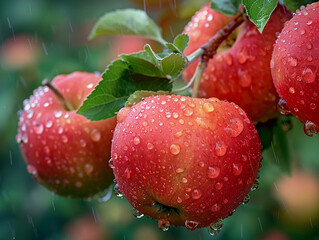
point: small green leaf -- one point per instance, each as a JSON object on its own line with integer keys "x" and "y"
{"x": 293, "y": 5}
{"x": 127, "y": 22}
{"x": 143, "y": 63}
{"x": 181, "y": 42}
{"x": 173, "y": 64}
{"x": 259, "y": 11}
{"x": 120, "y": 80}
{"x": 227, "y": 7}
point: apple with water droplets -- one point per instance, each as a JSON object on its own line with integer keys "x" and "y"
{"x": 185, "y": 161}
{"x": 239, "y": 72}
{"x": 63, "y": 150}
{"x": 294, "y": 67}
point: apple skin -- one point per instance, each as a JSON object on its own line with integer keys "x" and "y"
{"x": 195, "y": 157}
{"x": 64, "y": 151}
{"x": 240, "y": 74}
{"x": 295, "y": 62}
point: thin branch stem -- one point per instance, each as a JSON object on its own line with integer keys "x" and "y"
{"x": 66, "y": 104}
{"x": 207, "y": 51}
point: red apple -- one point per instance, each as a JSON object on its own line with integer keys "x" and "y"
{"x": 240, "y": 71}
{"x": 294, "y": 65}
{"x": 63, "y": 150}
{"x": 185, "y": 161}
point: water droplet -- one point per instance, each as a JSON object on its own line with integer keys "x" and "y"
{"x": 32, "y": 170}
{"x": 37, "y": 127}
{"x": 46, "y": 150}
{"x": 24, "y": 138}
{"x": 175, "y": 149}
{"x": 150, "y": 146}
{"x": 309, "y": 74}
{"x": 89, "y": 86}
{"x": 246, "y": 199}
{"x": 292, "y": 61}
{"x": 163, "y": 224}
{"x": 184, "y": 180}
{"x": 309, "y": 46}
{"x": 82, "y": 143}
{"x": 208, "y": 107}
{"x": 57, "y": 113}
{"x": 111, "y": 163}
{"x": 196, "y": 194}
{"x": 95, "y": 135}
{"x": 122, "y": 114}
{"x": 220, "y": 148}
{"x": 237, "y": 169}
{"x": 235, "y": 127}
{"x": 312, "y": 106}
{"x": 127, "y": 173}
{"x": 229, "y": 59}
{"x": 215, "y": 228}
{"x": 29, "y": 113}
{"x": 213, "y": 172}
{"x": 255, "y": 186}
{"x": 137, "y": 214}
{"x": 136, "y": 140}
{"x": 179, "y": 170}
{"x": 188, "y": 112}
{"x": 242, "y": 56}
{"x": 191, "y": 225}
{"x": 282, "y": 107}
{"x": 64, "y": 138}
{"x": 244, "y": 79}
{"x": 215, "y": 207}
{"x": 48, "y": 123}
{"x": 291, "y": 90}
{"x": 311, "y": 129}
{"x": 218, "y": 185}
{"x": 117, "y": 191}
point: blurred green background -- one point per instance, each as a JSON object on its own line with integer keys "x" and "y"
{"x": 40, "y": 39}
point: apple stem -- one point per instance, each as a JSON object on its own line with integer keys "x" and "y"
{"x": 67, "y": 105}
{"x": 207, "y": 51}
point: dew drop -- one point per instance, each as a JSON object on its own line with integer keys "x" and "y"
{"x": 218, "y": 185}
{"x": 179, "y": 170}
{"x": 229, "y": 59}
{"x": 255, "y": 186}
{"x": 245, "y": 79}
{"x": 37, "y": 127}
{"x": 150, "y": 146}
{"x": 117, "y": 191}
{"x": 88, "y": 168}
{"x": 196, "y": 194}
{"x": 95, "y": 135}
{"x": 309, "y": 74}
{"x": 48, "y": 123}
{"x": 213, "y": 172}
{"x": 24, "y": 138}
{"x": 137, "y": 214}
{"x": 220, "y": 148}
{"x": 208, "y": 107}
{"x": 188, "y": 112}
{"x": 242, "y": 56}
{"x": 29, "y": 113}
{"x": 127, "y": 173}
{"x": 292, "y": 61}
{"x": 246, "y": 199}
{"x": 82, "y": 143}
{"x": 57, "y": 113}
{"x": 215, "y": 207}
{"x": 175, "y": 149}
{"x": 111, "y": 163}
{"x": 237, "y": 169}
{"x": 89, "y": 86}
{"x": 191, "y": 225}
{"x": 32, "y": 170}
{"x": 64, "y": 138}
{"x": 136, "y": 140}
{"x": 311, "y": 129}
{"x": 282, "y": 107}
{"x": 235, "y": 127}
{"x": 215, "y": 228}
{"x": 163, "y": 224}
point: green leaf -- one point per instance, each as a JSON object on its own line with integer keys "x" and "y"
{"x": 181, "y": 42}
{"x": 259, "y": 11}
{"x": 173, "y": 64}
{"x": 127, "y": 22}
{"x": 227, "y": 7}
{"x": 143, "y": 63}
{"x": 120, "y": 80}
{"x": 293, "y": 5}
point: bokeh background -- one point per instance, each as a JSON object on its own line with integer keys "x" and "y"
{"x": 42, "y": 38}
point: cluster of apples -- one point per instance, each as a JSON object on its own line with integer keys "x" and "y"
{"x": 183, "y": 161}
